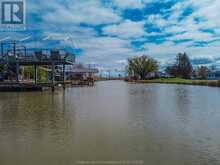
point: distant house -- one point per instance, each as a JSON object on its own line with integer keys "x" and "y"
{"x": 157, "y": 75}
{"x": 214, "y": 75}
{"x": 151, "y": 75}
{"x": 163, "y": 75}
{"x": 79, "y": 71}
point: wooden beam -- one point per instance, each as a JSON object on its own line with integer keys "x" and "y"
{"x": 64, "y": 76}
{"x": 53, "y": 76}
{"x": 35, "y": 74}
{"x": 17, "y": 71}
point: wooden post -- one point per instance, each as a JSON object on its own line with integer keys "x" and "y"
{"x": 14, "y": 49}
{"x": 17, "y": 70}
{"x": 17, "y": 61}
{"x": 35, "y": 74}
{"x": 63, "y": 76}
{"x": 53, "y": 76}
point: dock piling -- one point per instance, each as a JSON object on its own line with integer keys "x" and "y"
{"x": 35, "y": 74}
{"x": 17, "y": 71}
{"x": 64, "y": 77}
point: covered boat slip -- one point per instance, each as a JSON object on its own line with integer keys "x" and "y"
{"x": 14, "y": 55}
{"x": 82, "y": 75}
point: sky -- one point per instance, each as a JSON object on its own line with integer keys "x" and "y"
{"x": 107, "y": 32}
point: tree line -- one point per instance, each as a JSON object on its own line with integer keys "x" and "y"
{"x": 141, "y": 67}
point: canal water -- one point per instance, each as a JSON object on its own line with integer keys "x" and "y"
{"x": 113, "y": 121}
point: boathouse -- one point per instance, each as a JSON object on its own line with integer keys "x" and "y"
{"x": 14, "y": 56}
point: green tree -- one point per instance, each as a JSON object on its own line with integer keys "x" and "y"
{"x": 171, "y": 70}
{"x": 182, "y": 67}
{"x": 139, "y": 67}
{"x": 202, "y": 72}
{"x": 1, "y": 68}
{"x": 28, "y": 73}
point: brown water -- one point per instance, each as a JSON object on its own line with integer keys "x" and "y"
{"x": 113, "y": 121}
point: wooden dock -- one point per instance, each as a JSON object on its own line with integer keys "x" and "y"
{"x": 20, "y": 87}
{"x": 24, "y": 86}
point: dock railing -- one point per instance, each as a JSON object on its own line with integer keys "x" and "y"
{"x": 41, "y": 55}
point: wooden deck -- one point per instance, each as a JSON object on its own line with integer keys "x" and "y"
{"x": 41, "y": 86}
{"x": 15, "y": 55}
{"x": 20, "y": 87}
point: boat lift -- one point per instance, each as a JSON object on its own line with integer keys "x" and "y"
{"x": 15, "y": 54}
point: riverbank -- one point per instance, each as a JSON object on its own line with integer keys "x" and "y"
{"x": 108, "y": 79}
{"x": 213, "y": 83}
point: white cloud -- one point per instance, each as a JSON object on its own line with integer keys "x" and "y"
{"x": 168, "y": 50}
{"x": 157, "y": 20}
{"x": 64, "y": 17}
{"x": 126, "y": 29}
{"x": 194, "y": 35}
{"x": 175, "y": 29}
{"x": 129, "y": 3}
{"x": 106, "y": 50}
{"x": 89, "y": 12}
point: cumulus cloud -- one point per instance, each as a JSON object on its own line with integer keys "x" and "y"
{"x": 107, "y": 35}
{"x": 126, "y": 29}
{"x": 129, "y": 3}
{"x": 89, "y": 12}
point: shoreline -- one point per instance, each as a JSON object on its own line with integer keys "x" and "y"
{"x": 178, "y": 81}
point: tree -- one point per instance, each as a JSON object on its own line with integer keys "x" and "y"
{"x": 1, "y": 72}
{"x": 182, "y": 67}
{"x": 1, "y": 68}
{"x": 139, "y": 67}
{"x": 202, "y": 72}
{"x": 171, "y": 70}
{"x": 28, "y": 73}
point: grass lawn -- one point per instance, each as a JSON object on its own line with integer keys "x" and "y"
{"x": 182, "y": 81}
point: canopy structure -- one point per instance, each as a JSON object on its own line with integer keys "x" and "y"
{"x": 15, "y": 54}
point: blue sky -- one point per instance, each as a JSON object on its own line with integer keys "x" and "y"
{"x": 107, "y": 32}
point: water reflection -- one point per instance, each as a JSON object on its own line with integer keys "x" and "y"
{"x": 159, "y": 124}
{"x": 33, "y": 123}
